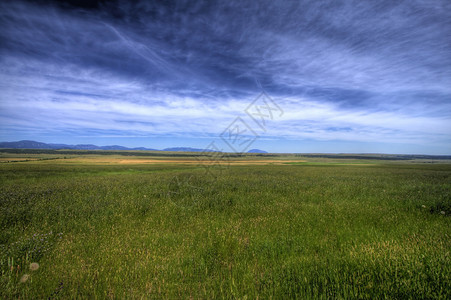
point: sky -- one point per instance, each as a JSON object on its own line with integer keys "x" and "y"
{"x": 282, "y": 76}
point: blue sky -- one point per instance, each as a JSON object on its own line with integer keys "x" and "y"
{"x": 348, "y": 76}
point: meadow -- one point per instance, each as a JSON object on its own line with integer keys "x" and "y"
{"x": 115, "y": 227}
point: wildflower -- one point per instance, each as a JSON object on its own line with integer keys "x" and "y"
{"x": 442, "y": 212}
{"x": 423, "y": 206}
{"x": 24, "y": 278}
{"x": 34, "y": 266}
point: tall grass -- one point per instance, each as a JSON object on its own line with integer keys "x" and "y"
{"x": 305, "y": 231}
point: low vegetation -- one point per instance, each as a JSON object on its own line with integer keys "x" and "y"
{"x": 307, "y": 230}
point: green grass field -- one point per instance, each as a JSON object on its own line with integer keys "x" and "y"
{"x": 311, "y": 229}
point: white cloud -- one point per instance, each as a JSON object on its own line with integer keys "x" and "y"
{"x": 377, "y": 72}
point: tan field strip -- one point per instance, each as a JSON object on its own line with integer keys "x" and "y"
{"x": 133, "y": 160}
{"x": 192, "y": 161}
{"x": 205, "y": 161}
{"x": 12, "y": 159}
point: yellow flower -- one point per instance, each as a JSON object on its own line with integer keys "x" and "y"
{"x": 34, "y": 266}
{"x": 24, "y": 278}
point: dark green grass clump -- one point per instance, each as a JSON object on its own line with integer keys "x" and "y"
{"x": 305, "y": 231}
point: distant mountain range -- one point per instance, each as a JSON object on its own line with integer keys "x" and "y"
{"x": 256, "y": 151}
{"x": 38, "y": 145}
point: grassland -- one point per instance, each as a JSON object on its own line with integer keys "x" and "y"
{"x": 264, "y": 227}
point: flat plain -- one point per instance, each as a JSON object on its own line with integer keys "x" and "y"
{"x": 147, "y": 225}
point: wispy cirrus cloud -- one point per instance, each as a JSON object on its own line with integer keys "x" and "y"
{"x": 354, "y": 71}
